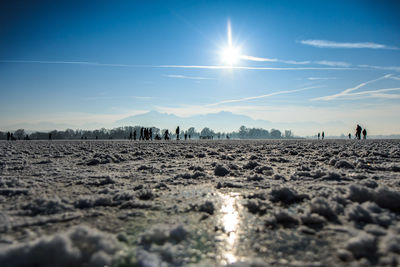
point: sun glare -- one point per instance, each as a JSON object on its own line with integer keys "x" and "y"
{"x": 230, "y": 54}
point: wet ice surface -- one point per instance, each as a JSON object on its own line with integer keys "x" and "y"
{"x": 206, "y": 203}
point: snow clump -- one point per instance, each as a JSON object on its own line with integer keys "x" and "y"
{"x": 79, "y": 246}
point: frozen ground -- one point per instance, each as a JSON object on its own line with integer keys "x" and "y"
{"x": 205, "y": 203}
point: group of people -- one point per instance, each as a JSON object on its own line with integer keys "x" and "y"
{"x": 147, "y": 134}
{"x": 10, "y": 136}
{"x": 359, "y": 130}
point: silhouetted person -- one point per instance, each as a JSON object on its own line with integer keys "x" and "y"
{"x": 50, "y": 136}
{"x": 358, "y": 132}
{"x": 97, "y": 138}
{"x": 141, "y": 134}
{"x": 151, "y": 134}
{"x": 130, "y": 136}
{"x": 134, "y": 135}
{"x": 319, "y": 135}
{"x": 227, "y": 137}
{"x": 364, "y": 132}
{"x": 8, "y": 136}
{"x": 185, "y": 136}
{"x": 166, "y": 135}
{"x": 177, "y": 133}
{"x": 349, "y": 135}
{"x": 323, "y": 135}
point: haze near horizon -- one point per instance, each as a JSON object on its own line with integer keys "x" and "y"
{"x": 306, "y": 66}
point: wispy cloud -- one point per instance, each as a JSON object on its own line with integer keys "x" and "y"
{"x": 69, "y": 63}
{"x": 219, "y": 67}
{"x": 333, "y": 63}
{"x": 258, "y": 59}
{"x": 333, "y": 44}
{"x": 178, "y": 76}
{"x": 263, "y": 59}
{"x": 391, "y": 68}
{"x": 348, "y": 93}
{"x": 117, "y": 97}
{"x": 321, "y": 78}
{"x": 262, "y": 96}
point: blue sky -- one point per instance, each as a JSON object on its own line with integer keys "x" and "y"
{"x": 90, "y": 64}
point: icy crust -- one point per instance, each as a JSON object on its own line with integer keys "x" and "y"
{"x": 286, "y": 203}
{"x": 79, "y": 246}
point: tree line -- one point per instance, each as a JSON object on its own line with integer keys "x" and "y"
{"x": 124, "y": 132}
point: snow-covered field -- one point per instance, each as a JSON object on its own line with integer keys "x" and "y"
{"x": 207, "y": 203}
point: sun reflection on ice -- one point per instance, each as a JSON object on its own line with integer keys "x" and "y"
{"x": 230, "y": 223}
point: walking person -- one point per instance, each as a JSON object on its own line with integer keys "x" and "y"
{"x": 166, "y": 135}
{"x": 177, "y": 133}
{"x": 141, "y": 134}
{"x": 364, "y": 132}
{"x": 358, "y": 132}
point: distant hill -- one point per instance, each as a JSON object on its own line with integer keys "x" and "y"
{"x": 221, "y": 121}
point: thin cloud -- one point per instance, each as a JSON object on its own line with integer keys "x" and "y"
{"x": 69, "y": 63}
{"x": 262, "y": 96}
{"x": 333, "y": 44}
{"x": 178, "y": 76}
{"x": 391, "y": 68}
{"x": 347, "y": 93}
{"x": 333, "y": 63}
{"x": 117, "y": 97}
{"x": 216, "y": 67}
{"x": 258, "y": 59}
{"x": 321, "y": 78}
{"x": 263, "y": 59}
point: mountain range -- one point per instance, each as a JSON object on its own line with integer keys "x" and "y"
{"x": 222, "y": 121}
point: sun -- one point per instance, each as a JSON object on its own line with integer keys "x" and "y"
{"x": 230, "y": 55}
